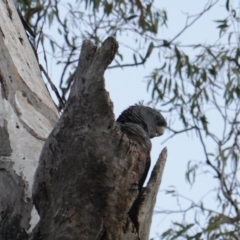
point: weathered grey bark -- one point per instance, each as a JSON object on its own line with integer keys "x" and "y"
{"x": 85, "y": 184}
{"x": 27, "y": 115}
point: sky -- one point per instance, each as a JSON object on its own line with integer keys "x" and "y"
{"x": 127, "y": 87}
{"x": 182, "y": 148}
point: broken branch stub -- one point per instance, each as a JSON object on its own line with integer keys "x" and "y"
{"x": 85, "y": 182}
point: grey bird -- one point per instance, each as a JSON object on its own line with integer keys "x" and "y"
{"x": 141, "y": 123}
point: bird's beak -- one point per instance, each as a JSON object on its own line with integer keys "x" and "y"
{"x": 160, "y": 131}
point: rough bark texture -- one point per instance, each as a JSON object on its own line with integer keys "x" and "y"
{"x": 27, "y": 115}
{"x": 85, "y": 184}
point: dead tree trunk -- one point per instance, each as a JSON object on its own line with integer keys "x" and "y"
{"x": 85, "y": 183}
{"x": 27, "y": 115}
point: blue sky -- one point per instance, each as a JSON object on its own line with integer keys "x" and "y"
{"x": 127, "y": 87}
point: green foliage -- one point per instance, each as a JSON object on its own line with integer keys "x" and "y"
{"x": 192, "y": 82}
{"x": 94, "y": 20}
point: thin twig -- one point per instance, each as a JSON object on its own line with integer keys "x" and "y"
{"x": 61, "y": 101}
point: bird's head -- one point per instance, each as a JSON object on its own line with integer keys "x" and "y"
{"x": 151, "y": 120}
{"x": 155, "y": 123}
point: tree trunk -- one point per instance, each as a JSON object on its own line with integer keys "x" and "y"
{"x": 85, "y": 184}
{"x": 27, "y": 115}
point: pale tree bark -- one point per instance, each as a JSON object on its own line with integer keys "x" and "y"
{"x": 27, "y": 115}
{"x": 85, "y": 183}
